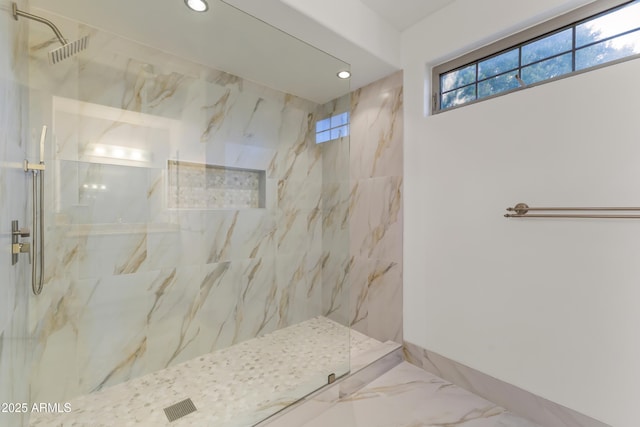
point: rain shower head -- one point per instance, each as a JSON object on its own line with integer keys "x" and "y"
{"x": 67, "y": 50}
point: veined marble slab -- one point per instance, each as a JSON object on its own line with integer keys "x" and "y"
{"x": 522, "y": 402}
{"x": 234, "y": 387}
{"x": 407, "y": 396}
{"x": 376, "y": 208}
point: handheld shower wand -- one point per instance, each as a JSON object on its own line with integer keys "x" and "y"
{"x": 67, "y": 50}
{"x": 37, "y": 215}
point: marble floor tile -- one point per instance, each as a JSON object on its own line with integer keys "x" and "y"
{"x": 407, "y": 396}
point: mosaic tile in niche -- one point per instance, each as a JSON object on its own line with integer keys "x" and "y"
{"x": 203, "y": 186}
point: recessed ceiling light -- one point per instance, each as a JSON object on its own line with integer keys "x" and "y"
{"x": 197, "y": 5}
{"x": 344, "y": 74}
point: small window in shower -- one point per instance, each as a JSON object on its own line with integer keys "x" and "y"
{"x": 204, "y": 186}
{"x": 334, "y": 127}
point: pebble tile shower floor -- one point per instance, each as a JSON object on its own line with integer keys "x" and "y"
{"x": 234, "y": 387}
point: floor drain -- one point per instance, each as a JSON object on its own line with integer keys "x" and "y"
{"x": 179, "y": 410}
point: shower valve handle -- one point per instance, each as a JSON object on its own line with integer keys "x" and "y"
{"x": 23, "y": 232}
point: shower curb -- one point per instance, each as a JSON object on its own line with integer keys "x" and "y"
{"x": 312, "y": 405}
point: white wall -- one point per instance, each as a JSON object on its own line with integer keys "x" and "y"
{"x": 548, "y": 305}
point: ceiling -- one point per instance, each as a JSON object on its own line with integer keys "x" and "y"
{"x": 402, "y": 14}
{"x": 230, "y": 40}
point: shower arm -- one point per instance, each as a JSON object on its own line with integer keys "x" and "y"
{"x": 17, "y": 12}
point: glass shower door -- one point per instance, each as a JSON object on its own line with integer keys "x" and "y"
{"x": 196, "y": 249}
{"x": 14, "y": 189}
{"x": 15, "y": 272}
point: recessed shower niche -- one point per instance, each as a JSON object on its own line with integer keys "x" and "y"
{"x": 205, "y": 186}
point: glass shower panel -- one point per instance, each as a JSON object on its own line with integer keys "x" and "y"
{"x": 197, "y": 247}
{"x": 14, "y": 185}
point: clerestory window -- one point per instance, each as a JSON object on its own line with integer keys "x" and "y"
{"x": 581, "y": 40}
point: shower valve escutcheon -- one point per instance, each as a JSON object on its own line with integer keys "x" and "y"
{"x": 18, "y": 247}
{"x": 21, "y": 248}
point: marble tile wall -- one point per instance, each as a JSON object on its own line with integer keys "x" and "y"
{"x": 372, "y": 211}
{"x": 336, "y": 278}
{"x": 515, "y": 399}
{"x": 14, "y": 342}
{"x": 133, "y": 285}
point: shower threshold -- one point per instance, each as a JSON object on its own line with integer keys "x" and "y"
{"x": 234, "y": 387}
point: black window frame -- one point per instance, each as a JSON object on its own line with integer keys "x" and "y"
{"x": 517, "y": 41}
